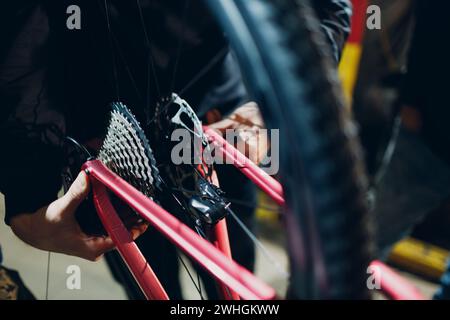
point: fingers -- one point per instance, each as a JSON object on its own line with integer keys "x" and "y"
{"x": 61, "y": 232}
{"x": 213, "y": 116}
{"x": 249, "y": 115}
{"x": 222, "y": 125}
{"x": 95, "y": 248}
{"x": 245, "y": 117}
{"x": 76, "y": 194}
{"x": 138, "y": 230}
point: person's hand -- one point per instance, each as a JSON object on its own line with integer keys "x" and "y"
{"x": 54, "y": 227}
{"x": 247, "y": 123}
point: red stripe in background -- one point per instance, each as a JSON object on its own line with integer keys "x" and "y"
{"x": 358, "y": 21}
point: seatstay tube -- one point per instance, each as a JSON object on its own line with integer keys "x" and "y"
{"x": 264, "y": 181}
{"x": 392, "y": 284}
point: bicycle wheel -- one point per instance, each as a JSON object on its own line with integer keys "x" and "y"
{"x": 279, "y": 47}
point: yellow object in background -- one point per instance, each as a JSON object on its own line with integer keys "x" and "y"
{"x": 348, "y": 72}
{"x": 420, "y": 257}
{"x": 351, "y": 56}
{"x": 267, "y": 209}
{"x": 348, "y": 68}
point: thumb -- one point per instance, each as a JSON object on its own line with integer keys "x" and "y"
{"x": 76, "y": 194}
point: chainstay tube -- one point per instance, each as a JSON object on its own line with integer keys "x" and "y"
{"x": 128, "y": 250}
{"x": 237, "y": 278}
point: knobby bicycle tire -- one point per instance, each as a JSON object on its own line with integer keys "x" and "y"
{"x": 288, "y": 71}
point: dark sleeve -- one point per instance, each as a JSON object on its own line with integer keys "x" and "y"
{"x": 30, "y": 157}
{"x": 428, "y": 55}
{"x": 426, "y": 84}
{"x": 226, "y": 90}
{"x": 335, "y": 18}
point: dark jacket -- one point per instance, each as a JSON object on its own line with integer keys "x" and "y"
{"x": 427, "y": 81}
{"x": 56, "y": 82}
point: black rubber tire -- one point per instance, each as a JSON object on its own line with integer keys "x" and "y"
{"x": 288, "y": 71}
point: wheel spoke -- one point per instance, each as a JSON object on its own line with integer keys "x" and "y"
{"x": 151, "y": 60}
{"x": 111, "y": 44}
{"x": 47, "y": 281}
{"x": 280, "y": 270}
{"x": 180, "y": 45}
{"x": 220, "y": 54}
{"x": 196, "y": 285}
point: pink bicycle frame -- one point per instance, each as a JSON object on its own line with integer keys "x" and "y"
{"x": 239, "y": 281}
{"x": 235, "y": 281}
{"x": 391, "y": 284}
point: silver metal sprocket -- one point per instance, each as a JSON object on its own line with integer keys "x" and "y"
{"x": 126, "y": 151}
